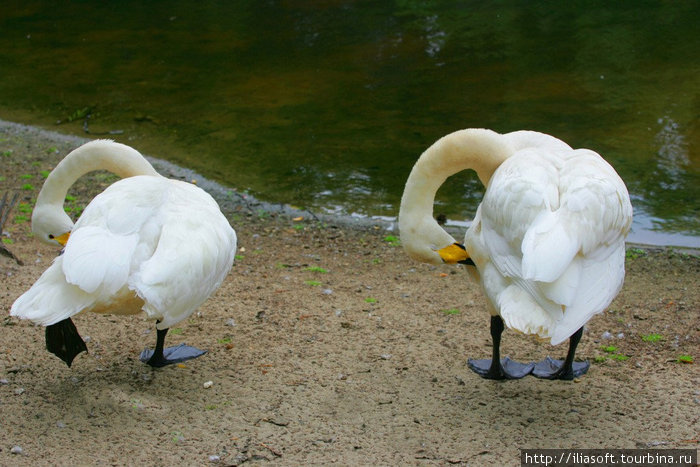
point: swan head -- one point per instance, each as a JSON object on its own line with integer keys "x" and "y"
{"x": 51, "y": 225}
{"x": 427, "y": 242}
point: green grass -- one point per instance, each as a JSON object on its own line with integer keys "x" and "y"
{"x": 312, "y": 283}
{"x": 685, "y": 359}
{"x": 176, "y": 331}
{"x": 26, "y": 176}
{"x": 317, "y": 269}
{"x": 70, "y": 198}
{"x": 451, "y": 311}
{"x": 609, "y": 348}
{"x": 634, "y": 253}
{"x": 21, "y": 219}
{"x": 619, "y": 357}
{"x": 653, "y": 337}
{"x": 44, "y": 173}
{"x": 370, "y": 300}
{"x": 7, "y": 241}
{"x": 392, "y": 240}
{"x": 225, "y": 340}
{"x": 27, "y": 186}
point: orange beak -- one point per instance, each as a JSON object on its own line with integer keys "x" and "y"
{"x": 62, "y": 239}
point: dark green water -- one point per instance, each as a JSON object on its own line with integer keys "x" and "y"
{"x": 327, "y": 104}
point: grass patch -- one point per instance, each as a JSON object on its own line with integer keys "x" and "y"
{"x": 317, "y": 269}
{"x": 619, "y": 357}
{"x": 685, "y": 359}
{"x": 176, "y": 331}
{"x": 609, "y": 348}
{"x": 370, "y": 300}
{"x": 28, "y": 186}
{"x": 392, "y": 240}
{"x": 653, "y": 337}
{"x": 451, "y": 311}
{"x": 312, "y": 283}
{"x": 634, "y": 253}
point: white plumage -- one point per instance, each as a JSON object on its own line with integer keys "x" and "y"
{"x": 548, "y": 237}
{"x": 147, "y": 243}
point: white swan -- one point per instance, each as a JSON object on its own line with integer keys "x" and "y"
{"x": 146, "y": 243}
{"x": 547, "y": 241}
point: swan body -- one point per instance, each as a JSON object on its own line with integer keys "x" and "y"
{"x": 548, "y": 239}
{"x": 146, "y": 243}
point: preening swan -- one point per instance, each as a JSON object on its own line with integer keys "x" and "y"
{"x": 547, "y": 242}
{"x": 146, "y": 243}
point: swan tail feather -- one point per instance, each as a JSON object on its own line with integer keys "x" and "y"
{"x": 51, "y": 299}
{"x": 548, "y": 248}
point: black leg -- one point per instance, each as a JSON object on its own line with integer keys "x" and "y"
{"x": 567, "y": 369}
{"x": 63, "y": 340}
{"x": 158, "y": 359}
{"x": 498, "y": 368}
{"x": 160, "y": 356}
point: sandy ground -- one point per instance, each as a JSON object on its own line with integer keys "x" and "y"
{"x": 327, "y": 345}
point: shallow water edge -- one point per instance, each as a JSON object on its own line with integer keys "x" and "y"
{"x": 232, "y": 200}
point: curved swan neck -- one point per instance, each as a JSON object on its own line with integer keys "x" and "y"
{"x": 478, "y": 149}
{"x": 117, "y": 158}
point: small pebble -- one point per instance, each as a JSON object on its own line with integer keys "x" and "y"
{"x": 230, "y": 322}
{"x": 606, "y": 335}
{"x": 385, "y": 356}
{"x": 208, "y": 384}
{"x": 214, "y": 458}
{"x": 621, "y": 335}
{"x": 19, "y": 391}
{"x": 16, "y": 450}
{"x": 327, "y": 291}
{"x": 4, "y": 381}
{"x": 60, "y": 424}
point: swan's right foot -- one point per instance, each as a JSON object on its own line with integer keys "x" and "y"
{"x": 505, "y": 369}
{"x": 170, "y": 355}
{"x": 160, "y": 356}
{"x": 63, "y": 340}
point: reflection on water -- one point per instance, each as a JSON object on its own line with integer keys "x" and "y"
{"x": 327, "y": 104}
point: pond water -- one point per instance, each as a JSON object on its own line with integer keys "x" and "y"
{"x": 327, "y": 104}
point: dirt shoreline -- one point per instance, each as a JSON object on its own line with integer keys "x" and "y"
{"x": 363, "y": 364}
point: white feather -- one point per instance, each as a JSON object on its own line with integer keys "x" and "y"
{"x": 146, "y": 243}
{"x": 548, "y": 237}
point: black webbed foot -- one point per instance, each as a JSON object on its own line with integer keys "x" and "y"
{"x": 170, "y": 355}
{"x": 550, "y": 368}
{"x": 508, "y": 369}
{"x": 63, "y": 340}
{"x": 160, "y": 357}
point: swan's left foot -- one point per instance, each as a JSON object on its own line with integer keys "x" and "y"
{"x": 567, "y": 369}
{"x": 507, "y": 369}
{"x": 170, "y": 355}
{"x": 550, "y": 368}
{"x": 160, "y": 357}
